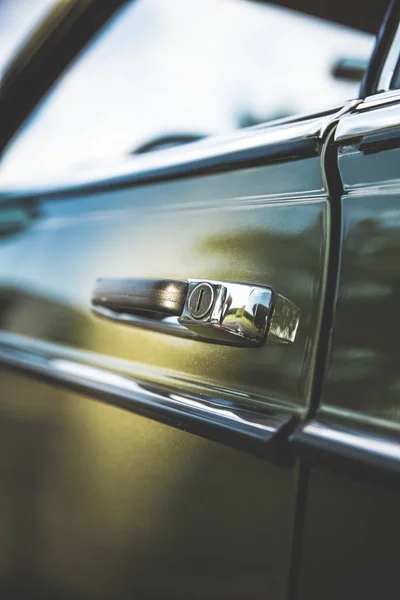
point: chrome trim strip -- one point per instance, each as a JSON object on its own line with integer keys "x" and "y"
{"x": 282, "y": 139}
{"x": 353, "y": 126}
{"x": 384, "y": 187}
{"x": 378, "y": 100}
{"x": 358, "y": 124}
{"x": 252, "y": 430}
{"x": 368, "y": 444}
{"x": 351, "y": 442}
{"x": 391, "y": 61}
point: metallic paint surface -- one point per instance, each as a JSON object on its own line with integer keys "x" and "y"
{"x": 99, "y": 503}
{"x": 350, "y": 546}
{"x": 351, "y": 528}
{"x": 260, "y": 225}
{"x": 363, "y": 378}
{"x": 105, "y": 503}
{"x": 259, "y": 432}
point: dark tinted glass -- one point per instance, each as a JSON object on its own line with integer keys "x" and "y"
{"x": 395, "y": 85}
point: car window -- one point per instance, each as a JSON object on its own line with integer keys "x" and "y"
{"x": 165, "y": 72}
{"x": 395, "y": 82}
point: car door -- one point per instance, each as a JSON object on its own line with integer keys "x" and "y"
{"x": 351, "y": 526}
{"x": 145, "y": 455}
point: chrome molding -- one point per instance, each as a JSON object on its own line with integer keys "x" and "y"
{"x": 252, "y": 430}
{"x": 378, "y": 100}
{"x": 386, "y": 114}
{"x": 349, "y": 441}
{"x": 392, "y": 59}
{"x": 361, "y": 123}
{"x": 294, "y": 137}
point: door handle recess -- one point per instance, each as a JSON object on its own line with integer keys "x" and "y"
{"x": 225, "y": 312}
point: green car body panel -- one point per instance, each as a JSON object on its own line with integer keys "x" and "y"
{"x": 155, "y": 499}
{"x": 139, "y": 461}
{"x": 360, "y": 398}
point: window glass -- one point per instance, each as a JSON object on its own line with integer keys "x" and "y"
{"x": 163, "y": 72}
{"x": 395, "y": 83}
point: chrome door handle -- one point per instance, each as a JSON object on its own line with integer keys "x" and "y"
{"x": 234, "y": 313}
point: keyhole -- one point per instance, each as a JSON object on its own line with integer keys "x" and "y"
{"x": 201, "y": 300}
